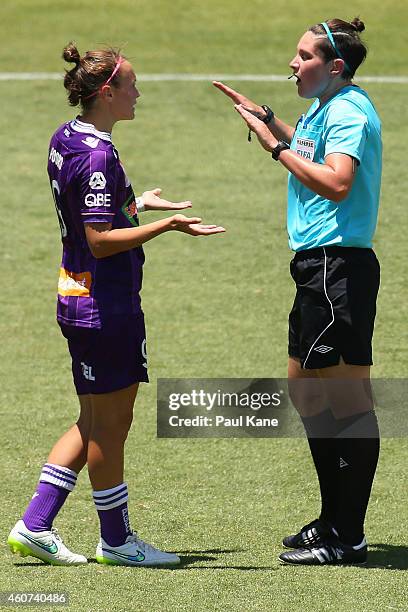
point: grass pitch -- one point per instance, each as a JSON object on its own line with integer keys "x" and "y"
{"x": 214, "y": 307}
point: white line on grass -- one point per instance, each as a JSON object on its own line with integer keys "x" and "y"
{"x": 56, "y": 76}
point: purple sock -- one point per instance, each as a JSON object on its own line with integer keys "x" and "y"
{"x": 52, "y": 491}
{"x": 112, "y": 507}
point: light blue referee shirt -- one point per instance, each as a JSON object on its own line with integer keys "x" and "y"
{"x": 347, "y": 123}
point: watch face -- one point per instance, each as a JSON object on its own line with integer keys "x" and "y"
{"x": 281, "y": 146}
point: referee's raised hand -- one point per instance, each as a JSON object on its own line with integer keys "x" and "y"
{"x": 265, "y": 137}
{"x": 238, "y": 98}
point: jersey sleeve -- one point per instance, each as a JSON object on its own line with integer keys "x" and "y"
{"x": 97, "y": 174}
{"x": 346, "y": 130}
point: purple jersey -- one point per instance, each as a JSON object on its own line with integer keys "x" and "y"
{"x": 89, "y": 184}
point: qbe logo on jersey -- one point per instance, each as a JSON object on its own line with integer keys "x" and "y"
{"x": 97, "y": 181}
{"x": 98, "y": 199}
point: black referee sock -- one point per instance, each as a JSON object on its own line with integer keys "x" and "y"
{"x": 320, "y": 430}
{"x": 358, "y": 447}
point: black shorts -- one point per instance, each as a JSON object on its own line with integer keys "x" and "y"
{"x": 334, "y": 309}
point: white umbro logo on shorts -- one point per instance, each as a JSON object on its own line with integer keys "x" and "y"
{"x": 323, "y": 349}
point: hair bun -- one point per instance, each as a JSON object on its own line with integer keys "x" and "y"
{"x": 71, "y": 54}
{"x": 357, "y": 24}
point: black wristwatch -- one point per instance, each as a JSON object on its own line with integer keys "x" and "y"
{"x": 281, "y": 146}
{"x": 267, "y": 119}
{"x": 269, "y": 114}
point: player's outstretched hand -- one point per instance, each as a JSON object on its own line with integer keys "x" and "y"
{"x": 193, "y": 226}
{"x": 153, "y": 201}
{"x": 238, "y": 98}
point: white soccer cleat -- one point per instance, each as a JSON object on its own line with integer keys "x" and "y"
{"x": 134, "y": 552}
{"x": 44, "y": 545}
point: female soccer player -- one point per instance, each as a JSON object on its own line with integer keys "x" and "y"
{"x": 333, "y": 156}
{"x": 99, "y": 311}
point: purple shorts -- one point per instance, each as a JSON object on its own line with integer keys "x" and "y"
{"x": 108, "y": 359}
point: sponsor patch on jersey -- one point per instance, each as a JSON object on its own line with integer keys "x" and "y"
{"x": 305, "y": 147}
{"x": 74, "y": 283}
{"x": 97, "y": 199}
{"x": 129, "y": 209}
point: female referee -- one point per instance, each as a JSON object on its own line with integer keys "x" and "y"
{"x": 99, "y": 311}
{"x": 333, "y": 156}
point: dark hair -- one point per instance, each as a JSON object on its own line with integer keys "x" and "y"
{"x": 347, "y": 39}
{"x": 89, "y": 73}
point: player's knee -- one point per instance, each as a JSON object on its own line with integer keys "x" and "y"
{"x": 306, "y": 397}
{"x": 115, "y": 428}
{"x": 84, "y": 425}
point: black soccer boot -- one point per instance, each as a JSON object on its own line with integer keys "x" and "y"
{"x": 330, "y": 552}
{"x": 310, "y": 535}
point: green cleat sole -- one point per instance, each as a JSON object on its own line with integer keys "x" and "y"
{"x": 106, "y": 561}
{"x": 18, "y": 548}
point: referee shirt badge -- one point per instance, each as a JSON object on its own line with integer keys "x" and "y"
{"x": 305, "y": 147}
